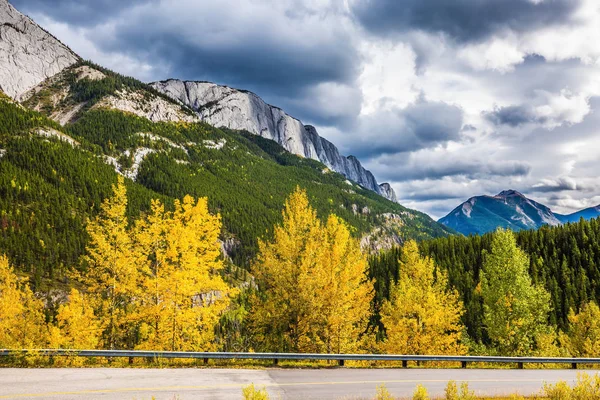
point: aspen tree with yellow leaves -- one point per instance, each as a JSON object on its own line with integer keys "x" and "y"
{"x": 76, "y": 325}
{"x": 344, "y": 289}
{"x": 422, "y": 316}
{"x": 313, "y": 292}
{"x": 183, "y": 295}
{"x": 22, "y": 324}
{"x": 112, "y": 270}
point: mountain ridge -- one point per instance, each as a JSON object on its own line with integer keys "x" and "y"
{"x": 222, "y": 105}
{"x": 508, "y": 209}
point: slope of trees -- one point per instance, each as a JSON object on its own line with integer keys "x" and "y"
{"x": 565, "y": 260}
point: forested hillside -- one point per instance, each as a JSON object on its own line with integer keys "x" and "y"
{"x": 565, "y": 260}
{"x": 54, "y": 178}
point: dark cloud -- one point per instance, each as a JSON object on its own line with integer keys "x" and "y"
{"x": 77, "y": 12}
{"x": 421, "y": 125}
{"x": 275, "y": 61}
{"x": 399, "y": 168}
{"x": 512, "y": 115}
{"x": 558, "y": 185}
{"x": 463, "y": 20}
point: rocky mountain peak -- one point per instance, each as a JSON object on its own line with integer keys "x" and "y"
{"x": 223, "y": 106}
{"x": 508, "y": 209}
{"x": 45, "y": 56}
{"x": 510, "y": 193}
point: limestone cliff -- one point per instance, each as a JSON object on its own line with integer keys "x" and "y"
{"x": 223, "y": 106}
{"x": 28, "y": 54}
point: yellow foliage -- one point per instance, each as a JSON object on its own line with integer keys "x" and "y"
{"x": 22, "y": 324}
{"x": 76, "y": 325}
{"x": 315, "y": 294}
{"x": 112, "y": 274}
{"x": 182, "y": 295}
{"x": 251, "y": 393}
{"x": 584, "y": 332}
{"x": 422, "y": 315}
{"x": 452, "y": 392}
{"x": 420, "y": 393}
{"x": 382, "y": 393}
{"x": 585, "y": 388}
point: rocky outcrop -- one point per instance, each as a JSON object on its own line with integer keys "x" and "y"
{"x": 154, "y": 108}
{"x": 388, "y": 192}
{"x": 223, "y": 106}
{"x": 28, "y": 54}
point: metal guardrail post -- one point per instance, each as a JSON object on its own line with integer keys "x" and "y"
{"x": 573, "y": 365}
{"x": 404, "y": 363}
{"x": 520, "y": 365}
{"x": 341, "y": 362}
{"x": 463, "y": 364}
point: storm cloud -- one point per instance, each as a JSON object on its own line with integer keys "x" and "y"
{"x": 463, "y": 20}
{"x": 444, "y": 99}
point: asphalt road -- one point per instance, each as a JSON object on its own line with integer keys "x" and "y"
{"x": 201, "y": 383}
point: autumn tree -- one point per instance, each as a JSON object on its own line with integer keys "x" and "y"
{"x": 76, "y": 326}
{"x": 584, "y": 332}
{"x": 515, "y": 310}
{"x": 22, "y": 324}
{"x": 344, "y": 290}
{"x": 182, "y": 294}
{"x": 112, "y": 274}
{"x": 422, "y": 315}
{"x": 313, "y": 292}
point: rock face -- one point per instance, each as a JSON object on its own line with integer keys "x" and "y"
{"x": 508, "y": 209}
{"x": 223, "y": 106}
{"x": 388, "y": 192}
{"x": 153, "y": 108}
{"x": 28, "y": 54}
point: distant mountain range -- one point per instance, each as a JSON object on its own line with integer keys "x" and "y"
{"x": 508, "y": 209}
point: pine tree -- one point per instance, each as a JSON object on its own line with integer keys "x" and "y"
{"x": 515, "y": 310}
{"x": 422, "y": 315}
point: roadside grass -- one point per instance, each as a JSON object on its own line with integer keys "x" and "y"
{"x": 33, "y": 359}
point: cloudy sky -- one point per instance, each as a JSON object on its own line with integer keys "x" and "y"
{"x": 443, "y": 99}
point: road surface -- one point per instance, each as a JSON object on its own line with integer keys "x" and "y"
{"x": 207, "y": 383}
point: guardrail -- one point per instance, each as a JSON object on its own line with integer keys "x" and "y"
{"x": 340, "y": 358}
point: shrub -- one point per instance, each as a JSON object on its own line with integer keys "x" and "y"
{"x": 420, "y": 393}
{"x": 251, "y": 393}
{"x": 383, "y": 393}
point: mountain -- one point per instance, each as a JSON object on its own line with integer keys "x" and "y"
{"x": 508, "y": 209}
{"x": 587, "y": 214}
{"x": 223, "y": 106}
{"x": 68, "y": 137}
{"x": 29, "y": 53}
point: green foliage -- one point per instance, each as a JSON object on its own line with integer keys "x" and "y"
{"x": 48, "y": 189}
{"x": 564, "y": 259}
{"x": 514, "y": 310}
